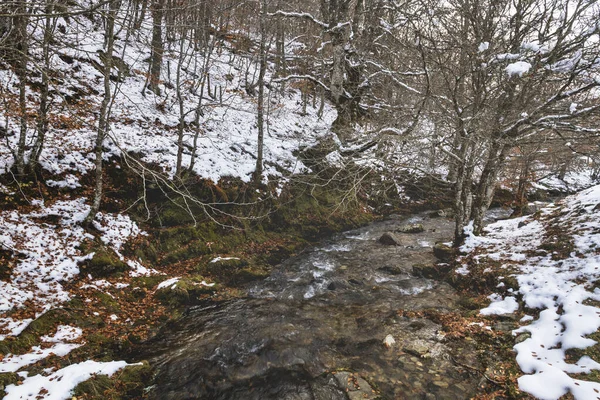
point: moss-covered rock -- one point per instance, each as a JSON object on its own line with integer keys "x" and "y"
{"x": 185, "y": 291}
{"x": 104, "y": 263}
{"x": 426, "y": 271}
{"x": 443, "y": 251}
{"x": 223, "y": 268}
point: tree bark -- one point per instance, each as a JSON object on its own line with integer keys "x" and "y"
{"x": 258, "y": 171}
{"x": 20, "y": 50}
{"x": 487, "y": 183}
{"x": 42, "y": 123}
{"x": 157, "y": 47}
{"x": 104, "y": 117}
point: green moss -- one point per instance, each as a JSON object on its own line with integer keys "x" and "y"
{"x": 9, "y": 378}
{"x": 128, "y": 383}
{"x": 250, "y": 274}
{"x": 107, "y": 301}
{"x": 104, "y": 263}
{"x": 191, "y": 251}
{"x": 185, "y": 291}
{"x": 223, "y": 268}
{"x": 573, "y": 355}
{"x": 44, "y": 325}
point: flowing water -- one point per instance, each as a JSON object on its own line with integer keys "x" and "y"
{"x": 315, "y": 328}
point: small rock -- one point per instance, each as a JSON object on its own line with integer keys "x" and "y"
{"x": 445, "y": 213}
{"x": 426, "y": 271}
{"x": 389, "y": 341}
{"x": 413, "y": 228}
{"x": 389, "y": 239}
{"x": 443, "y": 251}
{"x": 393, "y": 269}
{"x": 522, "y": 337}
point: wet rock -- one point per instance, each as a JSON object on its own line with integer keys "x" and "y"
{"x": 355, "y": 386}
{"x": 389, "y": 239}
{"x": 412, "y": 228}
{"x": 445, "y": 213}
{"x": 355, "y": 282}
{"x": 393, "y": 269}
{"x": 425, "y": 271}
{"x": 443, "y": 252}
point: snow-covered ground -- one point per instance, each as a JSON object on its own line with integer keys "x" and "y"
{"x": 147, "y": 125}
{"x": 46, "y": 243}
{"x": 555, "y": 258}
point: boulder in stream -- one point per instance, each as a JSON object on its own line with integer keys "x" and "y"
{"x": 389, "y": 239}
{"x": 431, "y": 271}
{"x": 443, "y": 251}
{"x": 412, "y": 228}
{"x": 426, "y": 271}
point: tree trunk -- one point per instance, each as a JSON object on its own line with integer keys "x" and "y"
{"x": 140, "y": 17}
{"x": 20, "y": 50}
{"x": 103, "y": 118}
{"x": 487, "y": 184}
{"x": 42, "y": 124}
{"x": 180, "y": 100}
{"x": 157, "y": 47}
{"x": 258, "y": 172}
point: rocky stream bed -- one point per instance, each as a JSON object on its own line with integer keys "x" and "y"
{"x": 326, "y": 325}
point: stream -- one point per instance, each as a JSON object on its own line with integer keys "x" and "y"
{"x": 315, "y": 328}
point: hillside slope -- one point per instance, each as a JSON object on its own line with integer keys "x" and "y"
{"x": 547, "y": 267}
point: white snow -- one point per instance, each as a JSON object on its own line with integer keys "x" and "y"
{"x": 483, "y": 46}
{"x": 559, "y": 288}
{"x": 169, "y": 282}
{"x": 518, "y": 68}
{"x": 500, "y": 306}
{"x": 389, "y": 341}
{"x": 49, "y": 254}
{"x": 59, "y": 385}
{"x": 217, "y": 259}
{"x": 64, "y": 333}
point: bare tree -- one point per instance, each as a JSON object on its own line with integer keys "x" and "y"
{"x": 105, "y": 107}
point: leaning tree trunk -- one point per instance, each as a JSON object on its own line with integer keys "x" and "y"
{"x": 487, "y": 183}
{"x": 103, "y": 118}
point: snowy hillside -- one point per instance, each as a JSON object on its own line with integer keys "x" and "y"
{"x": 147, "y": 125}
{"x": 554, "y": 256}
